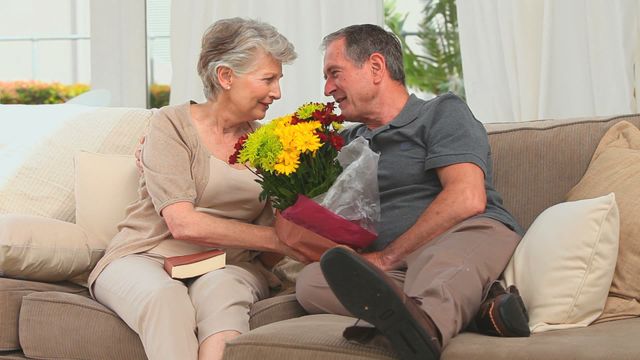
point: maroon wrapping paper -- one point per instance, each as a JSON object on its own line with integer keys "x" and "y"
{"x": 313, "y": 216}
{"x": 304, "y": 241}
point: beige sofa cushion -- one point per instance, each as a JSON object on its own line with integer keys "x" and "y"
{"x": 44, "y": 249}
{"x": 56, "y": 325}
{"x": 11, "y": 293}
{"x": 105, "y": 184}
{"x": 564, "y": 264}
{"x": 613, "y": 340}
{"x": 43, "y": 184}
{"x": 93, "y": 328}
{"x": 319, "y": 337}
{"x": 312, "y": 337}
{"x": 615, "y": 167}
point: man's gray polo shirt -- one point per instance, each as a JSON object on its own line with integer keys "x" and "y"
{"x": 424, "y": 136}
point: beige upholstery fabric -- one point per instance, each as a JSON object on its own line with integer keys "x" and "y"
{"x": 310, "y": 337}
{"x": 105, "y": 184}
{"x": 615, "y": 166}
{"x": 613, "y": 340}
{"x": 43, "y": 185}
{"x": 11, "y": 293}
{"x": 56, "y": 325}
{"x": 535, "y": 163}
{"x": 564, "y": 264}
{"x": 12, "y": 355}
{"x": 319, "y": 337}
{"x": 275, "y": 309}
{"x": 44, "y": 249}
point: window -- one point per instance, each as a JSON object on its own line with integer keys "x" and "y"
{"x": 44, "y": 42}
{"x": 158, "y": 52}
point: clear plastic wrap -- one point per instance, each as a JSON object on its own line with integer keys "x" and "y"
{"x": 354, "y": 195}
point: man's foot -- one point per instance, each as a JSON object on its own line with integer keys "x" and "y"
{"x": 503, "y": 313}
{"x": 369, "y": 294}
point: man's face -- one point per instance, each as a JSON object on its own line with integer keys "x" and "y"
{"x": 349, "y": 84}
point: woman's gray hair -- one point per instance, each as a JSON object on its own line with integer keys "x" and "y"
{"x": 363, "y": 40}
{"x": 233, "y": 43}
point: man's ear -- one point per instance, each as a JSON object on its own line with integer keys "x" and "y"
{"x": 224, "y": 75}
{"x": 378, "y": 66}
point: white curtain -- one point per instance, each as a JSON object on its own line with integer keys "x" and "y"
{"x": 303, "y": 22}
{"x": 537, "y": 59}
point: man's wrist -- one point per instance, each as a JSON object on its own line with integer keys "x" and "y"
{"x": 389, "y": 258}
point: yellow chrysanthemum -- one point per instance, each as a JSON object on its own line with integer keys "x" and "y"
{"x": 288, "y": 161}
{"x": 337, "y": 126}
{"x": 305, "y": 138}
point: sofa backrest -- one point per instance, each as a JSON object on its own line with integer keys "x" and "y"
{"x": 536, "y": 163}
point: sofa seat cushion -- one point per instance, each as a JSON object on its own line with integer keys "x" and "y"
{"x": 56, "y": 325}
{"x": 611, "y": 340}
{"x": 11, "y": 293}
{"x": 59, "y": 325}
{"x": 309, "y": 337}
{"x": 320, "y": 337}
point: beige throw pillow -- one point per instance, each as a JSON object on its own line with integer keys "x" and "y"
{"x": 105, "y": 185}
{"x": 615, "y": 167}
{"x": 43, "y": 249}
{"x": 564, "y": 264}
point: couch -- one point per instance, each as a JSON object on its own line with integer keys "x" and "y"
{"x": 536, "y": 163}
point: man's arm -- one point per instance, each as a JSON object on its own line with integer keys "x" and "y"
{"x": 463, "y": 195}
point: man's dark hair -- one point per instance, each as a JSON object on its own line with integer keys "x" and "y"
{"x": 363, "y": 40}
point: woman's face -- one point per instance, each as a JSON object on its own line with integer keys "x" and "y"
{"x": 251, "y": 93}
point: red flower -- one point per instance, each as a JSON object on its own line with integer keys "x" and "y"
{"x": 233, "y": 159}
{"x": 240, "y": 142}
{"x": 323, "y": 137}
{"x": 337, "y": 141}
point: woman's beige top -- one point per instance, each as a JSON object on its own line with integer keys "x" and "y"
{"x": 177, "y": 167}
{"x": 230, "y": 193}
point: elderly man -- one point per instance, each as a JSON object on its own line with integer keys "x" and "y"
{"x": 444, "y": 236}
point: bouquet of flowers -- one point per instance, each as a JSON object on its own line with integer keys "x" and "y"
{"x": 297, "y": 158}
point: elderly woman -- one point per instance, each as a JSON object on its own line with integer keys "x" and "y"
{"x": 191, "y": 200}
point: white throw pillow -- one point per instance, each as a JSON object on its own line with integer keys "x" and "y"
{"x": 564, "y": 264}
{"x": 105, "y": 184}
{"x": 43, "y": 249}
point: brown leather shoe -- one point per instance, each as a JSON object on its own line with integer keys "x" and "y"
{"x": 369, "y": 294}
{"x": 503, "y": 313}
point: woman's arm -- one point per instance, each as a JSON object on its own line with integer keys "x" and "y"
{"x": 187, "y": 224}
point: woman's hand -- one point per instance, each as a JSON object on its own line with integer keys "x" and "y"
{"x": 286, "y": 250}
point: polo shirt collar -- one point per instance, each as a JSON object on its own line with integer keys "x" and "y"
{"x": 409, "y": 112}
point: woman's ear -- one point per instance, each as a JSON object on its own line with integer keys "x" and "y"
{"x": 224, "y": 75}
{"x": 378, "y": 66}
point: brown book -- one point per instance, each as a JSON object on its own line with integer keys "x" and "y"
{"x": 186, "y": 266}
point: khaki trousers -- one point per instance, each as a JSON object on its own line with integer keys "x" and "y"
{"x": 450, "y": 275}
{"x": 173, "y": 317}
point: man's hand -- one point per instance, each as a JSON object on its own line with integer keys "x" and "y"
{"x": 138, "y": 154}
{"x": 380, "y": 261}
